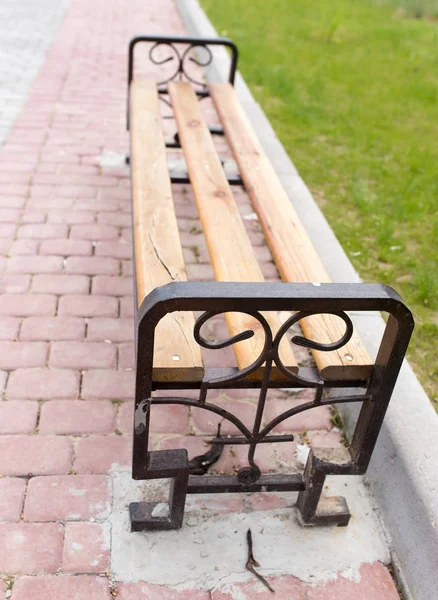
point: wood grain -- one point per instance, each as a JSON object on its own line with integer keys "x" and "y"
{"x": 293, "y": 252}
{"x": 158, "y": 253}
{"x": 231, "y": 252}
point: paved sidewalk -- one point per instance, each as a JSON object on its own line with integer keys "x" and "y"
{"x": 27, "y": 29}
{"x": 67, "y": 359}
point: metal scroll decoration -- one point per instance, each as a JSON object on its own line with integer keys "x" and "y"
{"x": 268, "y": 357}
{"x": 182, "y": 58}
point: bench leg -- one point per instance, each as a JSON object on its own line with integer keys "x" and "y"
{"x": 147, "y": 516}
{"x": 314, "y": 509}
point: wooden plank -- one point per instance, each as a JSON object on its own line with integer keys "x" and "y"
{"x": 232, "y": 255}
{"x": 293, "y": 252}
{"x": 158, "y": 253}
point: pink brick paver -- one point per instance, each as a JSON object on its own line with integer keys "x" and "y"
{"x": 70, "y": 217}
{"x": 94, "y": 232}
{"x": 42, "y": 231}
{"x": 86, "y": 548}
{"x": 44, "y": 384}
{"x": 206, "y": 422}
{"x": 30, "y": 548}
{"x": 127, "y": 356}
{"x": 65, "y": 247}
{"x": 9, "y": 215}
{"x": 286, "y": 588}
{"x": 18, "y": 416}
{"x": 325, "y": 439}
{"x": 9, "y": 327}
{"x": 12, "y": 492}
{"x": 88, "y": 306}
{"x": 375, "y": 582}
{"x": 53, "y": 328}
{"x": 101, "y": 454}
{"x": 117, "y": 249}
{"x": 116, "y": 330}
{"x": 112, "y": 286}
{"x": 316, "y": 418}
{"x": 7, "y": 231}
{"x": 67, "y": 367}
{"x": 126, "y": 307}
{"x": 146, "y": 591}
{"x": 68, "y": 498}
{"x": 92, "y": 265}
{"x": 260, "y": 501}
{"x": 12, "y": 283}
{"x": 108, "y": 384}
{"x": 169, "y": 419}
{"x": 77, "y": 417}
{"x": 27, "y": 304}
{"x": 26, "y": 354}
{"x": 37, "y": 455}
{"x": 34, "y": 264}
{"x": 61, "y": 587}
{"x": 235, "y": 457}
{"x": 24, "y": 247}
{"x": 125, "y": 417}
{"x": 76, "y": 355}
{"x": 60, "y": 284}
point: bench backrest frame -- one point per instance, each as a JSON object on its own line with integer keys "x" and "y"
{"x": 192, "y": 43}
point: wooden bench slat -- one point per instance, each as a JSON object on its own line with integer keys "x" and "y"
{"x": 293, "y": 252}
{"x": 158, "y": 253}
{"x": 231, "y": 252}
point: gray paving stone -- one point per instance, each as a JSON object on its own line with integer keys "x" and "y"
{"x": 27, "y": 29}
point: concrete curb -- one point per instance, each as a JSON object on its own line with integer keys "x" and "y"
{"x": 403, "y": 473}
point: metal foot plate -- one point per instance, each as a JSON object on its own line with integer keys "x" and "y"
{"x": 331, "y": 510}
{"x": 143, "y": 518}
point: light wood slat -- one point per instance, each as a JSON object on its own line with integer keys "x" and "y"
{"x": 158, "y": 253}
{"x": 231, "y": 252}
{"x": 293, "y": 252}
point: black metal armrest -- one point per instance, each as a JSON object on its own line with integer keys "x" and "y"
{"x": 253, "y": 298}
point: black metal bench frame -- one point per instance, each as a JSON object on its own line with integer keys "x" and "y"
{"x": 304, "y": 299}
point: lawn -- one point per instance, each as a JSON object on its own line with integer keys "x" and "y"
{"x": 351, "y": 90}
{"x": 417, "y": 8}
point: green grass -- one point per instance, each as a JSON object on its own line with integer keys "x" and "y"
{"x": 351, "y": 90}
{"x": 417, "y": 9}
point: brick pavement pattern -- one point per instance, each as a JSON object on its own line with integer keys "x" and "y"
{"x": 66, "y": 329}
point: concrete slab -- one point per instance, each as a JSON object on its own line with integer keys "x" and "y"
{"x": 211, "y": 549}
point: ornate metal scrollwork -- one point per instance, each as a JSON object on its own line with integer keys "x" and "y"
{"x": 268, "y": 357}
{"x": 306, "y": 343}
{"x": 244, "y": 335}
{"x": 270, "y": 351}
{"x": 182, "y": 58}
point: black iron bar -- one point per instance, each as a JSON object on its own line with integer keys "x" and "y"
{"x": 269, "y": 439}
{"x": 210, "y": 484}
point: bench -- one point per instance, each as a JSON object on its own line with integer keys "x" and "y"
{"x": 168, "y": 335}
